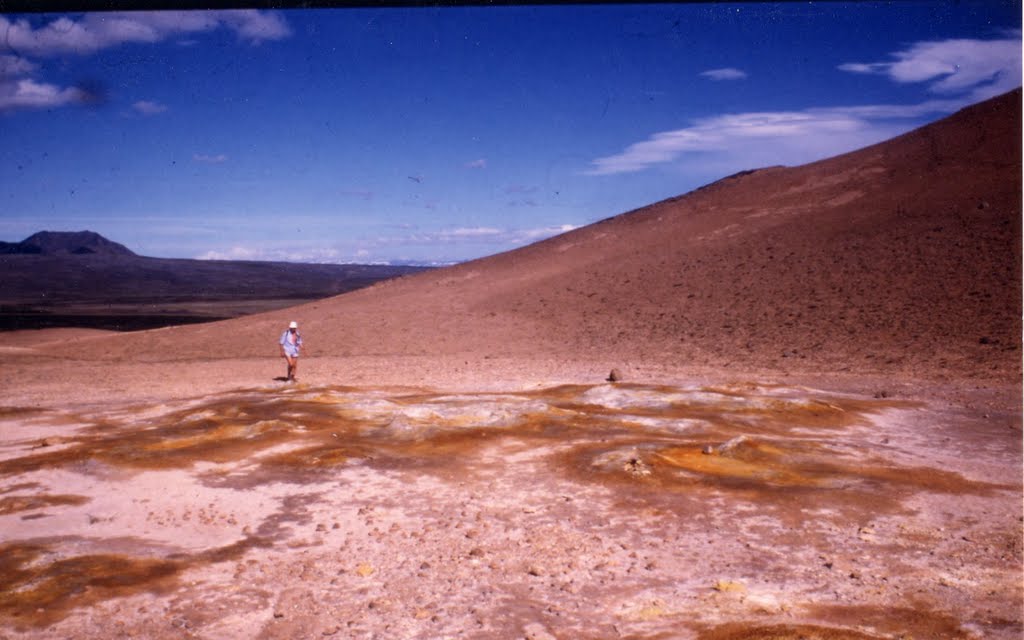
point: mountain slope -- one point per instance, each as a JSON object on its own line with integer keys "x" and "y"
{"x": 903, "y": 258}
{"x": 57, "y": 243}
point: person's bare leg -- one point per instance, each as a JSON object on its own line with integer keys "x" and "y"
{"x": 291, "y": 367}
{"x": 295, "y": 368}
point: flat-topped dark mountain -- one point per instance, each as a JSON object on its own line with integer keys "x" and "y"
{"x": 57, "y": 243}
{"x": 82, "y": 279}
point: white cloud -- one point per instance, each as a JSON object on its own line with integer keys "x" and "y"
{"x": 92, "y": 32}
{"x": 29, "y": 94}
{"x": 477, "y": 164}
{"x": 736, "y": 141}
{"x": 209, "y": 159}
{"x": 13, "y": 66}
{"x": 255, "y": 26}
{"x": 727, "y": 73}
{"x": 481, "y": 235}
{"x": 963, "y": 71}
{"x": 982, "y": 68}
{"x": 321, "y": 255}
{"x": 95, "y": 31}
{"x": 149, "y": 108}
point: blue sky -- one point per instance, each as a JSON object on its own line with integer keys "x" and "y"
{"x": 444, "y": 134}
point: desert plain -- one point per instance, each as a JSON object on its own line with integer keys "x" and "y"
{"x": 785, "y": 405}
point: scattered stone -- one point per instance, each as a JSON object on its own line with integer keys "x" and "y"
{"x": 537, "y": 631}
{"x": 708, "y": 450}
{"x": 728, "y": 586}
{"x": 614, "y": 376}
{"x": 637, "y": 467}
{"x": 728, "y": 447}
{"x": 364, "y": 570}
{"x": 764, "y": 603}
{"x": 652, "y": 611}
{"x": 882, "y": 394}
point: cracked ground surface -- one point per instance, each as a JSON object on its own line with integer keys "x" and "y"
{"x": 742, "y": 510}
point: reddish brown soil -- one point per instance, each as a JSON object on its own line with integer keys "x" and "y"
{"x": 818, "y": 434}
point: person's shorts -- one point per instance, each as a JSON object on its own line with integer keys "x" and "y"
{"x": 291, "y": 355}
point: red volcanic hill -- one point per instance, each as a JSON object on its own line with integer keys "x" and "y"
{"x": 902, "y": 258}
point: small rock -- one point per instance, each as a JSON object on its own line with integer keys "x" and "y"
{"x": 364, "y": 570}
{"x": 637, "y": 467}
{"x": 732, "y": 444}
{"x": 537, "y": 631}
{"x": 726, "y": 586}
{"x": 614, "y": 376}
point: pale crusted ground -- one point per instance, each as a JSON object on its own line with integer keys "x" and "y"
{"x": 842, "y": 339}
{"x": 431, "y": 498}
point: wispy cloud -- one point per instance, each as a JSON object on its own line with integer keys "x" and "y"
{"x": 323, "y": 255}
{"x": 963, "y": 71}
{"x": 982, "y": 68}
{"x": 149, "y": 108}
{"x": 29, "y": 94}
{"x": 480, "y": 163}
{"x": 210, "y": 159}
{"x": 14, "y": 66}
{"x": 727, "y": 73}
{"x": 93, "y": 32}
{"x": 504, "y": 237}
{"x": 758, "y": 138}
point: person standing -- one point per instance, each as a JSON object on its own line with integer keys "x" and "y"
{"x": 291, "y": 343}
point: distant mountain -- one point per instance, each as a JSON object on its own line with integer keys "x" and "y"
{"x": 82, "y": 279}
{"x": 57, "y": 243}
